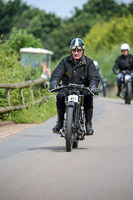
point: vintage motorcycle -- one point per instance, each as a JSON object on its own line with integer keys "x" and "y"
{"x": 74, "y": 122}
{"x": 126, "y": 86}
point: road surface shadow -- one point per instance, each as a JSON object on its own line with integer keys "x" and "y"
{"x": 116, "y": 101}
{"x": 56, "y": 148}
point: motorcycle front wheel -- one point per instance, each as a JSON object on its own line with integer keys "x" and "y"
{"x": 69, "y": 123}
{"x": 128, "y": 93}
{"x": 104, "y": 91}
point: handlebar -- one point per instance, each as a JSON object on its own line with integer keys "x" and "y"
{"x": 126, "y": 72}
{"x": 71, "y": 86}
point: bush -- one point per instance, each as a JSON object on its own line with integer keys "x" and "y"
{"x": 35, "y": 113}
{"x": 19, "y": 39}
{"x": 12, "y": 72}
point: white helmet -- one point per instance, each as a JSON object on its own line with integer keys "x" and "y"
{"x": 96, "y": 64}
{"x": 125, "y": 46}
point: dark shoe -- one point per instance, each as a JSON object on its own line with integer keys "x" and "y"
{"x": 118, "y": 94}
{"x": 119, "y": 91}
{"x": 57, "y": 127}
{"x": 89, "y": 129}
{"x": 59, "y": 124}
{"x": 88, "y": 117}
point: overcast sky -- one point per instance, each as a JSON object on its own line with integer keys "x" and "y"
{"x": 62, "y": 8}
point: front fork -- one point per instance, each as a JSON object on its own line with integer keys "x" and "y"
{"x": 78, "y": 126}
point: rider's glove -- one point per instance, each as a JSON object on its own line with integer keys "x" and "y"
{"x": 93, "y": 88}
{"x": 44, "y": 85}
{"x": 54, "y": 85}
{"x": 116, "y": 71}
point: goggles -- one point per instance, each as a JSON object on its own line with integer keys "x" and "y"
{"x": 77, "y": 47}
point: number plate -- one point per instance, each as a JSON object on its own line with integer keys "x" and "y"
{"x": 73, "y": 98}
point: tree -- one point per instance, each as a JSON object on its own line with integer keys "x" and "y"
{"x": 130, "y": 7}
{"x": 110, "y": 34}
{"x": 9, "y": 14}
{"x": 59, "y": 40}
{"x": 55, "y": 33}
{"x": 19, "y": 39}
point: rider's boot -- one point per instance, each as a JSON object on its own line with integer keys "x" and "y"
{"x": 88, "y": 117}
{"x": 59, "y": 124}
{"x": 119, "y": 91}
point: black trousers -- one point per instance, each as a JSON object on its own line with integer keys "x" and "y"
{"x": 60, "y": 99}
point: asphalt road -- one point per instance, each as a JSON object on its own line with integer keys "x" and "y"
{"x": 35, "y": 166}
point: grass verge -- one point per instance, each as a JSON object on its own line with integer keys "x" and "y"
{"x": 35, "y": 113}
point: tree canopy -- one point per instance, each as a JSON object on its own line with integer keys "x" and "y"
{"x": 109, "y": 34}
{"x": 19, "y": 39}
{"x": 55, "y": 33}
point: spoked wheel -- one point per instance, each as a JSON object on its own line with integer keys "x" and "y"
{"x": 69, "y": 123}
{"x": 128, "y": 93}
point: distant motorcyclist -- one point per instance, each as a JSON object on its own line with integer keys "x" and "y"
{"x": 122, "y": 63}
{"x": 98, "y": 69}
{"x": 79, "y": 69}
{"x": 103, "y": 81}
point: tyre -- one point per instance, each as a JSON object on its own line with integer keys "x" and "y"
{"x": 69, "y": 123}
{"x": 104, "y": 91}
{"x": 128, "y": 93}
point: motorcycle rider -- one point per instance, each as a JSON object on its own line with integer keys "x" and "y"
{"x": 79, "y": 69}
{"x": 123, "y": 62}
{"x": 98, "y": 69}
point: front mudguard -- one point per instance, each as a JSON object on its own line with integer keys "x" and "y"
{"x": 70, "y": 104}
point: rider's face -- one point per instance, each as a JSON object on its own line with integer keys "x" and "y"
{"x": 125, "y": 52}
{"x": 77, "y": 53}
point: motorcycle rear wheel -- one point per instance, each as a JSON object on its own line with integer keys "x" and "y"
{"x": 69, "y": 123}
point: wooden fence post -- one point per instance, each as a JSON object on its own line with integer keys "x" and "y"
{"x": 32, "y": 94}
{"x": 22, "y": 96}
{"x": 8, "y": 96}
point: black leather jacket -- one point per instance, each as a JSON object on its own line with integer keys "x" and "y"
{"x": 123, "y": 63}
{"x": 68, "y": 71}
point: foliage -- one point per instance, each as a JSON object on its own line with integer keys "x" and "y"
{"x": 54, "y": 32}
{"x": 12, "y": 72}
{"x": 7, "y": 61}
{"x": 106, "y": 61}
{"x": 11, "y": 69}
{"x": 95, "y": 10}
{"x": 104, "y": 45}
{"x": 35, "y": 113}
{"x": 10, "y": 13}
{"x": 19, "y": 39}
{"x": 39, "y": 23}
{"x": 115, "y": 32}
{"x": 19, "y": 15}
{"x": 57, "y": 40}
{"x": 80, "y": 23}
